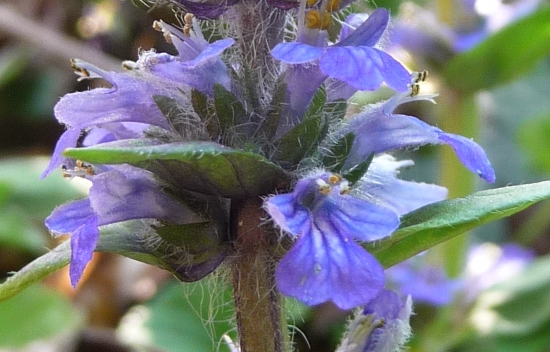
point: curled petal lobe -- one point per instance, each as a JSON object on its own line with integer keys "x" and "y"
{"x": 129, "y": 100}
{"x": 68, "y": 139}
{"x": 364, "y": 68}
{"x": 287, "y": 213}
{"x": 380, "y": 131}
{"x": 470, "y": 154}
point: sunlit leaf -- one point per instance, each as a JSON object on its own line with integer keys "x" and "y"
{"x": 204, "y": 167}
{"x": 438, "y": 222}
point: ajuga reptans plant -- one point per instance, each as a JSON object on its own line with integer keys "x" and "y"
{"x": 237, "y": 152}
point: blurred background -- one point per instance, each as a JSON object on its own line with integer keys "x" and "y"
{"x": 488, "y": 59}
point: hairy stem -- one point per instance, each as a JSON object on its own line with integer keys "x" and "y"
{"x": 257, "y": 29}
{"x": 257, "y": 301}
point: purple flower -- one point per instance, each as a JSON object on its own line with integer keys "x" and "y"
{"x": 325, "y": 263}
{"x": 488, "y": 264}
{"x": 127, "y": 109}
{"x": 117, "y": 194}
{"x": 424, "y": 282}
{"x": 383, "y": 325}
{"x": 379, "y": 130}
{"x": 354, "y": 60}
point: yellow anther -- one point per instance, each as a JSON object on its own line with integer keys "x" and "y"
{"x": 415, "y": 89}
{"x": 344, "y": 190}
{"x": 326, "y": 21}
{"x": 333, "y": 179}
{"x": 313, "y": 20}
{"x": 188, "y": 18}
{"x": 325, "y": 189}
{"x": 80, "y": 170}
{"x": 88, "y": 169}
{"x": 333, "y": 5}
{"x": 419, "y": 76}
{"x": 310, "y": 3}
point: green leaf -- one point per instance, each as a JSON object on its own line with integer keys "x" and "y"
{"x": 204, "y": 167}
{"x": 37, "y": 313}
{"x": 300, "y": 142}
{"x": 355, "y": 173}
{"x": 182, "y": 318}
{"x": 317, "y": 104}
{"x": 231, "y": 114}
{"x": 204, "y": 110}
{"x": 336, "y": 110}
{"x": 337, "y": 154}
{"x": 134, "y": 239}
{"x": 269, "y": 126}
{"x": 438, "y": 222}
{"x": 503, "y": 56}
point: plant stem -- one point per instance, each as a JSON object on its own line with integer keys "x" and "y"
{"x": 257, "y": 301}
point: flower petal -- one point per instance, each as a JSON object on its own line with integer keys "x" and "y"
{"x": 357, "y": 66}
{"x": 296, "y": 53}
{"x": 370, "y": 32}
{"x": 127, "y": 193}
{"x": 68, "y": 218}
{"x": 130, "y": 100}
{"x": 381, "y": 186}
{"x": 395, "y": 75}
{"x": 377, "y": 133}
{"x": 287, "y": 213}
{"x": 68, "y": 139}
{"x": 326, "y": 267}
{"x": 83, "y": 243}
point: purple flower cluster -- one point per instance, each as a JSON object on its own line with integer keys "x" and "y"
{"x": 323, "y": 211}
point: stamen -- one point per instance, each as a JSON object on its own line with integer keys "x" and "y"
{"x": 334, "y": 178}
{"x": 313, "y": 20}
{"x": 80, "y": 170}
{"x": 333, "y": 5}
{"x": 416, "y": 78}
{"x": 188, "y": 19}
{"x": 324, "y": 188}
{"x": 414, "y": 89}
{"x": 80, "y": 70}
